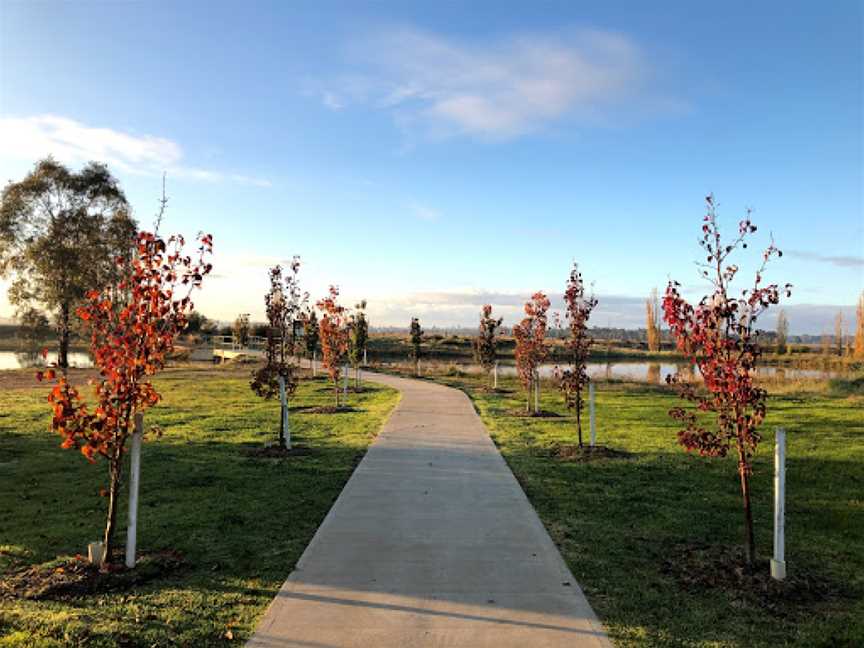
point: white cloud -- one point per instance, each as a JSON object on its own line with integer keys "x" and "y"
{"x": 501, "y": 89}
{"x": 848, "y": 261}
{"x": 461, "y": 308}
{"x": 424, "y": 213}
{"x": 71, "y": 142}
{"x": 331, "y": 101}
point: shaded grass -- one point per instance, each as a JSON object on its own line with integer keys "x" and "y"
{"x": 618, "y": 522}
{"x": 239, "y": 522}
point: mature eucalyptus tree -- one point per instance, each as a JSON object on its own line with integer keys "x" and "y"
{"x": 61, "y": 233}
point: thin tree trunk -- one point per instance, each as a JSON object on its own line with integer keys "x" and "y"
{"x": 579, "y": 416}
{"x": 749, "y": 540}
{"x": 113, "y": 501}
{"x": 63, "y": 350}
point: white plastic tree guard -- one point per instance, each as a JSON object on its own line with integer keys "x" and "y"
{"x": 778, "y": 562}
{"x": 345, "y": 380}
{"x": 134, "y": 484}
{"x": 536, "y": 392}
{"x": 591, "y": 413}
{"x": 283, "y": 401}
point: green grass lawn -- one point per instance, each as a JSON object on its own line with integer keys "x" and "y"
{"x": 239, "y": 522}
{"x": 620, "y": 523}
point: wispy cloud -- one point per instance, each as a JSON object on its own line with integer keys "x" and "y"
{"x": 331, "y": 101}
{"x": 840, "y": 261}
{"x": 423, "y": 212}
{"x": 495, "y": 89}
{"x": 70, "y": 141}
{"x": 461, "y": 308}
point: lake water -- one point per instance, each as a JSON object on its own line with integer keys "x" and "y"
{"x": 25, "y": 360}
{"x": 654, "y": 372}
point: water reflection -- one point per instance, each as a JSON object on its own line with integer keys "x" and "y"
{"x": 33, "y": 358}
{"x": 656, "y": 372}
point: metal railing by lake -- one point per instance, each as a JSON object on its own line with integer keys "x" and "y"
{"x": 227, "y": 347}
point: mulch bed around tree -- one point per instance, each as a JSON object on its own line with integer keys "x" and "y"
{"x": 572, "y": 452}
{"x": 493, "y": 390}
{"x": 276, "y": 451}
{"x": 328, "y": 409}
{"x": 701, "y": 567}
{"x": 520, "y": 413}
{"x": 76, "y": 577}
{"x": 26, "y": 378}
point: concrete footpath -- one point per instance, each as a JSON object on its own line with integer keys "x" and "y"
{"x": 431, "y": 543}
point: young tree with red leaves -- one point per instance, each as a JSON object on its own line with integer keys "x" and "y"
{"x": 284, "y": 303}
{"x": 719, "y": 336}
{"x": 133, "y": 326}
{"x": 530, "y": 335}
{"x": 333, "y": 331}
{"x": 486, "y": 342}
{"x": 573, "y": 380}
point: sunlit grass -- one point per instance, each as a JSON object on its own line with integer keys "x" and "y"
{"x": 240, "y": 523}
{"x": 617, "y": 521}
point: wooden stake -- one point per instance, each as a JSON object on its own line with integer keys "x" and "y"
{"x": 591, "y": 413}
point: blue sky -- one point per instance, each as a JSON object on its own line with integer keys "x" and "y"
{"x": 431, "y": 157}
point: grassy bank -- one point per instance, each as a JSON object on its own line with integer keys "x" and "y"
{"x": 645, "y": 535}
{"x": 459, "y": 348}
{"x": 239, "y": 523}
